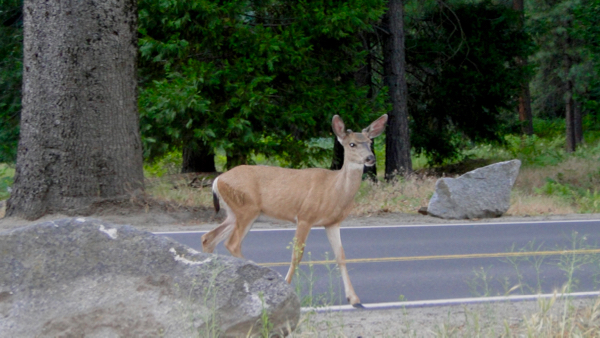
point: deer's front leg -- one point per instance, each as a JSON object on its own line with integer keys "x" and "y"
{"x": 302, "y": 230}
{"x": 333, "y": 234}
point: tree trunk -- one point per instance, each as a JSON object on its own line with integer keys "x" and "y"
{"x": 570, "y": 122}
{"x": 397, "y": 155}
{"x": 371, "y": 172}
{"x": 574, "y": 120}
{"x": 570, "y": 119}
{"x": 338, "y": 155}
{"x": 197, "y": 160}
{"x": 362, "y": 77}
{"x": 525, "y": 115}
{"x": 80, "y": 141}
{"x": 578, "y": 123}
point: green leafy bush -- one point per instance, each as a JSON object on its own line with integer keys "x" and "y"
{"x": 587, "y": 201}
{"x": 462, "y": 75}
{"x": 6, "y": 181}
{"x": 533, "y": 150}
{"x": 169, "y": 164}
{"x": 11, "y": 64}
{"x": 554, "y": 188}
{"x": 252, "y": 77}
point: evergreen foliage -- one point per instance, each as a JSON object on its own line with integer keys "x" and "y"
{"x": 265, "y": 76}
{"x": 251, "y": 76}
{"x": 587, "y": 30}
{"x": 565, "y": 32}
{"x": 463, "y": 75}
{"x": 11, "y": 53}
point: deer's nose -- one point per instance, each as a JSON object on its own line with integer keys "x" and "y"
{"x": 370, "y": 160}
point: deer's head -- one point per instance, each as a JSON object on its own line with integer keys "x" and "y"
{"x": 357, "y": 146}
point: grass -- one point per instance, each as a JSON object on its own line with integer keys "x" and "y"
{"x": 570, "y": 186}
{"x": 6, "y": 174}
{"x": 177, "y": 190}
{"x": 550, "y": 180}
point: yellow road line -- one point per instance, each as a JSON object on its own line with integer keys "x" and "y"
{"x": 427, "y": 258}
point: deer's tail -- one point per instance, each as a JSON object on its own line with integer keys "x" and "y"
{"x": 215, "y": 191}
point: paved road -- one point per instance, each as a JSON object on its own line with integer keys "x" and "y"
{"x": 392, "y": 263}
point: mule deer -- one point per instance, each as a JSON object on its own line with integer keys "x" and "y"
{"x": 309, "y": 197}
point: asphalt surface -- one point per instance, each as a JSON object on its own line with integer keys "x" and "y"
{"x": 434, "y": 262}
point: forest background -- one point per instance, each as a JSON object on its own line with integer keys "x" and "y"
{"x": 227, "y": 83}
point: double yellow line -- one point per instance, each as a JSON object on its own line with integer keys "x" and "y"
{"x": 427, "y": 258}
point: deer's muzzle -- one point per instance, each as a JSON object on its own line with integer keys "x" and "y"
{"x": 370, "y": 160}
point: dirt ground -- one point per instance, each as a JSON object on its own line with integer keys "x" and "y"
{"x": 160, "y": 217}
{"x": 420, "y": 321}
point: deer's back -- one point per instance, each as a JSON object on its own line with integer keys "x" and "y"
{"x": 287, "y": 194}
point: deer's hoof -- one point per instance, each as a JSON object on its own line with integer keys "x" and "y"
{"x": 358, "y": 306}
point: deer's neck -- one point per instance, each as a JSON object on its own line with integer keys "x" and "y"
{"x": 348, "y": 179}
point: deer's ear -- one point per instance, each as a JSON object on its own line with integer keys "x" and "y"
{"x": 377, "y": 127}
{"x": 338, "y": 127}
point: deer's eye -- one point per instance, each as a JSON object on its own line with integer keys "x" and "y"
{"x": 352, "y": 145}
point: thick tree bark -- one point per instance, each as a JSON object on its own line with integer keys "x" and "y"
{"x": 362, "y": 77}
{"x": 578, "y": 123}
{"x": 571, "y": 142}
{"x": 198, "y": 160}
{"x": 573, "y": 121}
{"x": 371, "y": 172}
{"x": 397, "y": 157}
{"x": 525, "y": 115}
{"x": 338, "y": 155}
{"x": 80, "y": 141}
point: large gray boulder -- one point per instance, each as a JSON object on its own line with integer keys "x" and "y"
{"x": 86, "y": 278}
{"x": 481, "y": 193}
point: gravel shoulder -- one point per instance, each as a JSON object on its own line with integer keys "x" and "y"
{"x": 201, "y": 220}
{"x": 420, "y": 322}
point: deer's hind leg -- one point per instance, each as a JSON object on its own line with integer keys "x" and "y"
{"x": 212, "y": 238}
{"x": 243, "y": 223}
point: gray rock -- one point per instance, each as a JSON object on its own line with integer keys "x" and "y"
{"x": 481, "y": 193}
{"x": 81, "y": 277}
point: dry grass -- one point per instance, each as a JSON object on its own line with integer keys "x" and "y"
{"x": 579, "y": 172}
{"x": 409, "y": 194}
{"x": 555, "y": 317}
{"x": 405, "y": 195}
{"x": 523, "y": 204}
{"x": 184, "y": 190}
{"x": 568, "y": 321}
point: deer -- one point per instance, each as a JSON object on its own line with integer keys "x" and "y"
{"x": 311, "y": 197}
